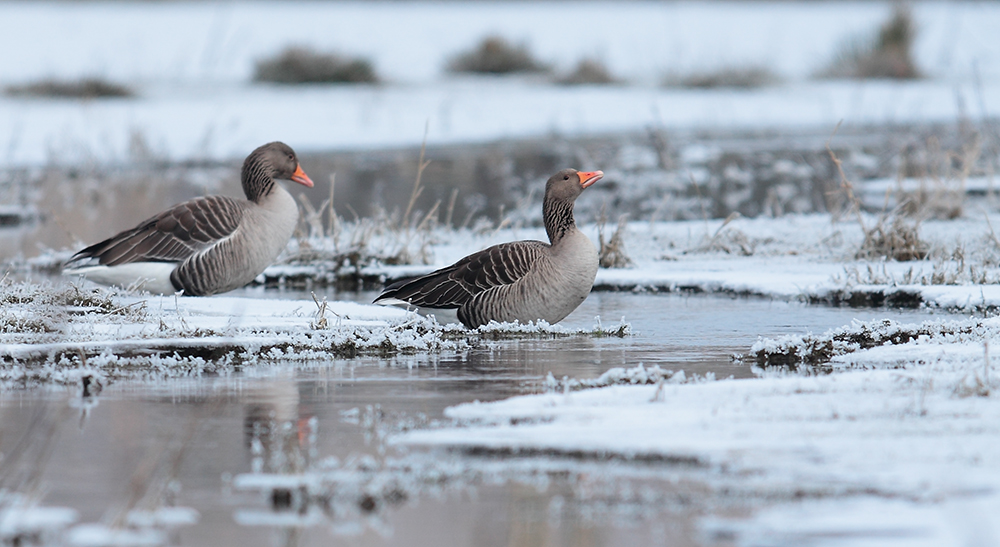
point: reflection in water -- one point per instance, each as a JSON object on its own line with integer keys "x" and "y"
{"x": 280, "y": 440}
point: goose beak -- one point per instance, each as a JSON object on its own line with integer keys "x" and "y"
{"x": 301, "y": 177}
{"x": 588, "y": 178}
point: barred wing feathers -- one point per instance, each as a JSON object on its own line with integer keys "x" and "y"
{"x": 172, "y": 236}
{"x": 455, "y": 285}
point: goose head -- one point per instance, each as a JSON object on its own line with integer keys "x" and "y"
{"x": 561, "y": 192}
{"x": 283, "y": 163}
{"x": 568, "y": 184}
{"x": 275, "y": 160}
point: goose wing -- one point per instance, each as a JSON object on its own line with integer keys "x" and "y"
{"x": 172, "y": 236}
{"x": 453, "y": 286}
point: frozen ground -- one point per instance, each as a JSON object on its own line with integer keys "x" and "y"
{"x": 191, "y": 64}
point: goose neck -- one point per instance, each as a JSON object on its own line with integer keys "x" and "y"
{"x": 558, "y": 217}
{"x": 257, "y": 182}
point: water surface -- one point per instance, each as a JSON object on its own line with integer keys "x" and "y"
{"x": 182, "y": 442}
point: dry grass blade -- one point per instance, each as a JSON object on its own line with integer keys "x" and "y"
{"x": 321, "y": 309}
{"x": 451, "y": 207}
{"x": 853, "y": 202}
{"x": 417, "y": 188}
{"x": 312, "y": 217}
{"x": 332, "y": 219}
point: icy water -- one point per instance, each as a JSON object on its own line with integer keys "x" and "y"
{"x": 190, "y": 443}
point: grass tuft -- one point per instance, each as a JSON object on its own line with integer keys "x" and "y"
{"x": 887, "y": 54}
{"x": 300, "y": 65}
{"x": 893, "y": 237}
{"x": 611, "y": 253}
{"x": 748, "y": 77}
{"x": 495, "y": 55}
{"x": 85, "y": 88}
{"x": 588, "y": 72}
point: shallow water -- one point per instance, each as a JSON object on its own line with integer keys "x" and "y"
{"x": 182, "y": 442}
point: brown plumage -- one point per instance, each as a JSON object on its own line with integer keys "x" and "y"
{"x": 208, "y": 245}
{"x": 520, "y": 280}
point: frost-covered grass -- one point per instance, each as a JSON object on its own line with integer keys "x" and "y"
{"x": 832, "y": 350}
{"x": 68, "y": 334}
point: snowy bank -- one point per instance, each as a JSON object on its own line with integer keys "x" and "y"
{"x": 811, "y": 258}
{"x": 69, "y": 334}
{"x": 912, "y": 426}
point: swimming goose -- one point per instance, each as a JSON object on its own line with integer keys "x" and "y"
{"x": 520, "y": 280}
{"x": 208, "y": 245}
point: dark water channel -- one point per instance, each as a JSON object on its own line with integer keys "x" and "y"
{"x": 183, "y": 442}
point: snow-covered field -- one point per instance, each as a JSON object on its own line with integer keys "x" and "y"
{"x": 191, "y": 64}
{"x": 894, "y": 443}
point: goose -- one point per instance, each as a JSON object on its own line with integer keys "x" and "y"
{"x": 209, "y": 245}
{"x": 521, "y": 280}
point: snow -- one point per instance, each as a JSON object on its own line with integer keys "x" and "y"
{"x": 66, "y": 334}
{"x": 195, "y": 100}
{"x": 793, "y": 257}
{"x": 20, "y": 518}
{"x": 910, "y": 426}
{"x": 898, "y": 444}
{"x": 923, "y": 434}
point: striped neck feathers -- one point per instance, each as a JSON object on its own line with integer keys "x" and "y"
{"x": 256, "y": 178}
{"x": 558, "y": 217}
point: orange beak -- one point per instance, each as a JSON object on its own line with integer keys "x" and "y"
{"x": 588, "y": 178}
{"x": 301, "y": 177}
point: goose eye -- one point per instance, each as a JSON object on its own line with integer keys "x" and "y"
{"x": 565, "y": 177}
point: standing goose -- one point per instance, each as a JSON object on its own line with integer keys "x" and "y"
{"x": 210, "y": 244}
{"x": 520, "y": 280}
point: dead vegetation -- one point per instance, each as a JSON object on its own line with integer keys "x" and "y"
{"x": 496, "y": 55}
{"x": 385, "y": 238}
{"x": 893, "y": 236}
{"x": 588, "y": 72}
{"x": 84, "y": 88}
{"x": 727, "y": 239}
{"x": 731, "y": 77}
{"x": 886, "y": 54}
{"x": 300, "y": 65}
{"x": 611, "y": 253}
